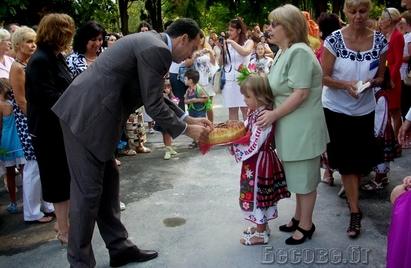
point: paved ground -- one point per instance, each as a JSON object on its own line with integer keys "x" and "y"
{"x": 187, "y": 209}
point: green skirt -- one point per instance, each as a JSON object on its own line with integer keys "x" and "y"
{"x": 303, "y": 176}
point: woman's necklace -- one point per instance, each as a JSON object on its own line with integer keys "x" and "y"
{"x": 91, "y": 60}
{"x": 21, "y": 61}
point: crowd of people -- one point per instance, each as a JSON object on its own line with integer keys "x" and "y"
{"x": 55, "y": 91}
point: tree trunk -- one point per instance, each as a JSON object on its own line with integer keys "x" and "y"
{"x": 153, "y": 8}
{"x": 122, "y": 5}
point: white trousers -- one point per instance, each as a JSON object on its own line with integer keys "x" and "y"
{"x": 32, "y": 194}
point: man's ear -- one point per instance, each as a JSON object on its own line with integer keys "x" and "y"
{"x": 184, "y": 38}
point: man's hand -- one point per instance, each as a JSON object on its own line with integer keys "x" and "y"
{"x": 198, "y": 128}
{"x": 404, "y": 135}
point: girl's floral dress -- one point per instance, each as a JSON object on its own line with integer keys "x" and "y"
{"x": 262, "y": 181}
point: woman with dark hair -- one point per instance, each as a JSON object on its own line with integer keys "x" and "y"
{"x": 144, "y": 27}
{"x": 47, "y": 77}
{"x": 327, "y": 23}
{"x": 235, "y": 50}
{"x": 109, "y": 39}
{"x": 86, "y": 47}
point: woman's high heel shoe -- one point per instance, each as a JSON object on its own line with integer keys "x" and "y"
{"x": 292, "y": 228}
{"x": 355, "y": 224}
{"x": 306, "y": 234}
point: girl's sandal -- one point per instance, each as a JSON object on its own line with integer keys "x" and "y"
{"x": 253, "y": 228}
{"x": 247, "y": 238}
{"x": 373, "y": 186}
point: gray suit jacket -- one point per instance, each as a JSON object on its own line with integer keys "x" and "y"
{"x": 124, "y": 77}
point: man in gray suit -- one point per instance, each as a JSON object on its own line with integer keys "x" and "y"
{"x": 93, "y": 111}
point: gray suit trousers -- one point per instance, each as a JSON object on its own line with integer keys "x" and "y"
{"x": 94, "y": 197}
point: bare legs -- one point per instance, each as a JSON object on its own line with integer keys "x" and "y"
{"x": 396, "y": 120}
{"x": 210, "y": 113}
{"x": 61, "y": 210}
{"x": 351, "y": 184}
{"x": 233, "y": 113}
{"x": 304, "y": 212}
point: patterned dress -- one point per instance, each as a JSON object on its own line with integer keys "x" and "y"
{"x": 22, "y": 129}
{"x": 384, "y": 132}
{"x": 262, "y": 181}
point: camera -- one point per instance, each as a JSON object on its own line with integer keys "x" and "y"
{"x": 221, "y": 39}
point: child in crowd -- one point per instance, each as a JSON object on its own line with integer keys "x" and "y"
{"x": 262, "y": 62}
{"x": 168, "y": 93}
{"x": 195, "y": 100}
{"x": 384, "y": 134}
{"x": 10, "y": 143}
{"x": 262, "y": 181}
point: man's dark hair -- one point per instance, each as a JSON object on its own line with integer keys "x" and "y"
{"x": 183, "y": 26}
{"x": 193, "y": 75}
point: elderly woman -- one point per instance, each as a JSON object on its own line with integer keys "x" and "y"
{"x": 86, "y": 46}
{"x": 47, "y": 77}
{"x": 5, "y": 61}
{"x": 301, "y": 133}
{"x": 388, "y": 21}
{"x": 351, "y": 55}
{"x": 23, "y": 41}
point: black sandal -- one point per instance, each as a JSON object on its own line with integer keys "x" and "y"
{"x": 355, "y": 224}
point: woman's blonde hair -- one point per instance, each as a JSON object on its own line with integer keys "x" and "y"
{"x": 293, "y": 21}
{"x": 393, "y": 14}
{"x": 56, "y": 31}
{"x": 355, "y": 3}
{"x": 4, "y": 34}
{"x": 205, "y": 44}
{"x": 22, "y": 35}
{"x": 258, "y": 84}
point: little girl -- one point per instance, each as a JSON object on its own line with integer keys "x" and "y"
{"x": 262, "y": 181}
{"x": 262, "y": 62}
{"x": 10, "y": 143}
{"x": 168, "y": 93}
{"x": 384, "y": 135}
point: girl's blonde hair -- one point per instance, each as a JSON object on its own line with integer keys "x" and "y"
{"x": 258, "y": 84}
{"x": 167, "y": 82}
{"x": 293, "y": 21}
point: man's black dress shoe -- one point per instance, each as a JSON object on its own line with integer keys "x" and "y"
{"x": 133, "y": 254}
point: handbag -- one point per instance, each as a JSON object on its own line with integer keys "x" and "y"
{"x": 222, "y": 81}
{"x": 182, "y": 70}
{"x": 407, "y": 78}
{"x": 216, "y": 81}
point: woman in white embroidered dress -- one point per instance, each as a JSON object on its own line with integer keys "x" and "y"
{"x": 204, "y": 62}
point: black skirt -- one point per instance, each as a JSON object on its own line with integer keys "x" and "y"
{"x": 353, "y": 148}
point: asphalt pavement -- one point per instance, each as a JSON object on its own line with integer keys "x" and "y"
{"x": 187, "y": 209}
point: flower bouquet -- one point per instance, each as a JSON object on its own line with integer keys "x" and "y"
{"x": 245, "y": 71}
